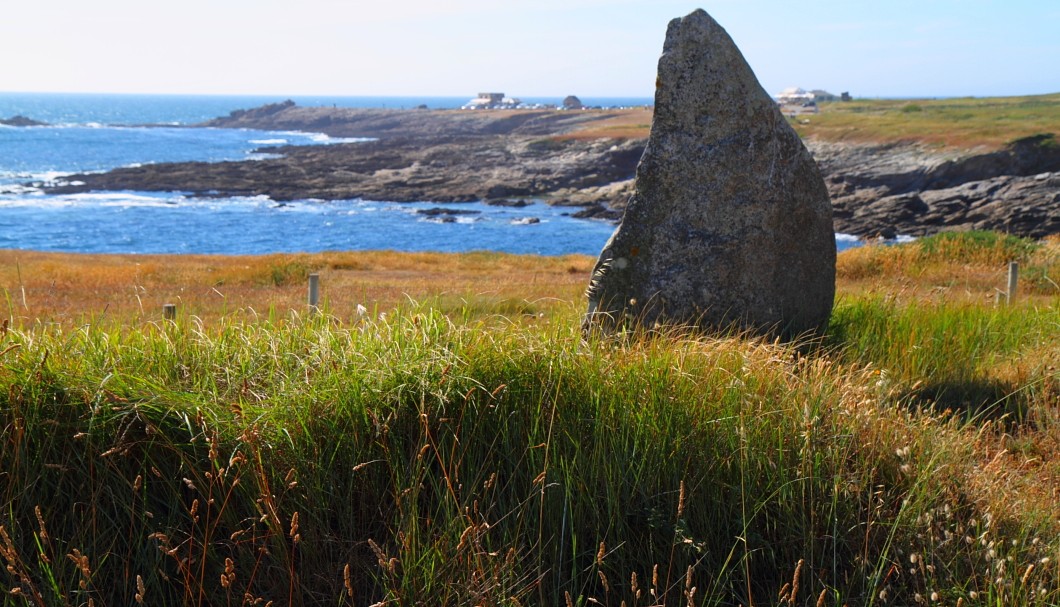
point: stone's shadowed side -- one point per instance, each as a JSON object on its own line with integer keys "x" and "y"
{"x": 730, "y": 223}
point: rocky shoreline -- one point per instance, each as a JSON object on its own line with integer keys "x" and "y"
{"x": 894, "y": 189}
{"x": 498, "y": 156}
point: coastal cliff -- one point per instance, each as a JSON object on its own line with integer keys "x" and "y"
{"x": 588, "y": 158}
{"x": 884, "y": 190}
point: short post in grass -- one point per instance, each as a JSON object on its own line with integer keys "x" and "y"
{"x": 1013, "y": 278}
{"x": 314, "y": 291}
{"x": 169, "y": 311}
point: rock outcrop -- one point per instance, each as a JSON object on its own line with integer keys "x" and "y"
{"x": 730, "y": 224}
{"x": 906, "y": 189}
{"x": 260, "y": 113}
{"x": 394, "y": 123}
{"x": 436, "y": 169}
{"x": 21, "y": 120}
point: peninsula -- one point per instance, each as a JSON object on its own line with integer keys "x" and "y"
{"x": 888, "y": 166}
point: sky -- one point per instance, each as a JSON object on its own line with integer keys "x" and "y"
{"x": 531, "y": 48}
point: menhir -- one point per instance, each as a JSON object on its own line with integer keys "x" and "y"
{"x": 730, "y": 226}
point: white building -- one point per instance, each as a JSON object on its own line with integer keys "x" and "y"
{"x": 492, "y": 101}
{"x": 797, "y": 96}
{"x": 794, "y": 94}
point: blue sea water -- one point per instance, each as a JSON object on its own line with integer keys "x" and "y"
{"x": 100, "y": 132}
{"x": 82, "y": 108}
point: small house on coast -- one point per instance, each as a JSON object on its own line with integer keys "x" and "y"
{"x": 492, "y": 101}
{"x": 794, "y": 100}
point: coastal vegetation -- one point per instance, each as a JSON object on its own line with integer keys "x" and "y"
{"x": 465, "y": 444}
{"x": 962, "y": 123}
{"x": 966, "y": 122}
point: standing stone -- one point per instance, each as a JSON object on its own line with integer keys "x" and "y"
{"x": 730, "y": 223}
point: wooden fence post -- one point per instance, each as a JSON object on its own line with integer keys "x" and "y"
{"x": 169, "y": 311}
{"x": 314, "y": 290}
{"x": 1013, "y": 278}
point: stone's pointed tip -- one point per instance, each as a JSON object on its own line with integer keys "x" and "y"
{"x": 698, "y": 14}
{"x": 697, "y": 17}
{"x": 697, "y": 25}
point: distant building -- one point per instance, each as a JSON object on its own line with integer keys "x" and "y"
{"x": 795, "y": 95}
{"x": 794, "y": 101}
{"x": 492, "y": 101}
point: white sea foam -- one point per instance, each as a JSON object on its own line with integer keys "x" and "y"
{"x": 322, "y": 138}
{"x": 110, "y": 199}
{"x": 849, "y": 241}
{"x": 327, "y": 139}
{"x": 37, "y": 202}
{"x": 268, "y": 141}
{"x": 46, "y": 177}
{"x": 16, "y": 189}
{"x": 137, "y": 203}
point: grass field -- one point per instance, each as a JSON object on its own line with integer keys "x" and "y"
{"x": 465, "y": 445}
{"x": 986, "y": 122}
{"x": 77, "y": 289}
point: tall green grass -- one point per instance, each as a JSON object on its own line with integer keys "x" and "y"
{"x": 411, "y": 460}
{"x": 978, "y": 360}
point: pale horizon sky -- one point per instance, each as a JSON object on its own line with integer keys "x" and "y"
{"x": 590, "y": 48}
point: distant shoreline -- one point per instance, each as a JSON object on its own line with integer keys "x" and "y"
{"x": 112, "y": 106}
{"x": 886, "y": 174}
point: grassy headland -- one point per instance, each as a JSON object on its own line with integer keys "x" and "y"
{"x": 969, "y": 122}
{"x": 964, "y": 123}
{"x": 467, "y": 450}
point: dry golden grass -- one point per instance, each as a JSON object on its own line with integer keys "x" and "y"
{"x": 906, "y": 273}
{"x": 71, "y": 288}
{"x": 634, "y": 123}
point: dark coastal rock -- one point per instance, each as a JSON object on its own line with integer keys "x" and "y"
{"x": 261, "y": 113}
{"x": 395, "y": 123}
{"x": 907, "y": 189}
{"x": 730, "y": 224}
{"x": 21, "y": 120}
{"x": 598, "y": 211}
{"x": 508, "y": 202}
{"x": 442, "y": 169}
{"x": 437, "y": 211}
{"x": 570, "y": 102}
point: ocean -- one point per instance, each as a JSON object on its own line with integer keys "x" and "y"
{"x": 88, "y": 132}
